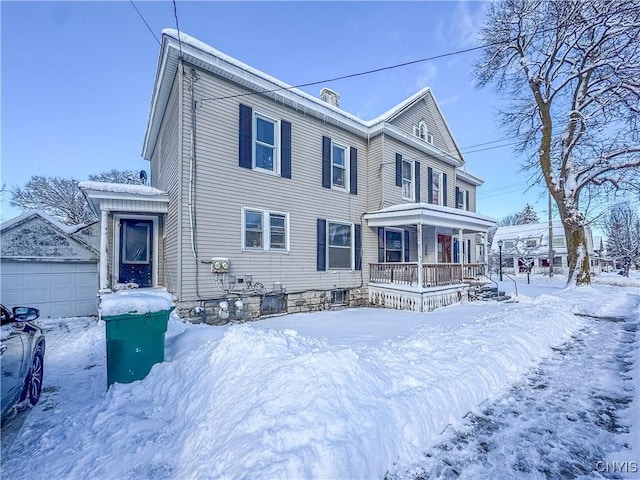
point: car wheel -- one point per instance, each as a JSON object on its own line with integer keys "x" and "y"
{"x": 33, "y": 384}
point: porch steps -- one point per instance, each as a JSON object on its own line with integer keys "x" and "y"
{"x": 489, "y": 292}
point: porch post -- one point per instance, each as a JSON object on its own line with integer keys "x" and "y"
{"x": 461, "y": 251}
{"x": 486, "y": 253}
{"x": 104, "y": 260}
{"x": 419, "y": 234}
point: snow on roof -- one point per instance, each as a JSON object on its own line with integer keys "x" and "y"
{"x": 68, "y": 229}
{"x": 120, "y": 188}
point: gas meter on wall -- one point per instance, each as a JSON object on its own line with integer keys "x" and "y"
{"x": 220, "y": 265}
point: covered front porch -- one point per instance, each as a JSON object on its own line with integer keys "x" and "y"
{"x": 428, "y": 255}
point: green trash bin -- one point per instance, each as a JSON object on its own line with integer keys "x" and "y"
{"x": 135, "y": 343}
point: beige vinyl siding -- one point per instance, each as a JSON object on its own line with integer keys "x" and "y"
{"x": 393, "y": 193}
{"x": 425, "y": 109}
{"x": 165, "y": 175}
{"x": 222, "y": 188}
{"x": 374, "y": 175}
{"x": 472, "y": 193}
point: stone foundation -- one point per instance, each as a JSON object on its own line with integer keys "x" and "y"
{"x": 246, "y": 308}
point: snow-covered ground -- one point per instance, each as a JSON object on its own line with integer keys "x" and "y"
{"x": 358, "y": 393}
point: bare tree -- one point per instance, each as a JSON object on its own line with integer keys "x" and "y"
{"x": 572, "y": 72}
{"x": 623, "y": 232}
{"x": 61, "y": 197}
{"x": 57, "y": 196}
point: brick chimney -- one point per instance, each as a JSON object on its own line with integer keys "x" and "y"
{"x": 331, "y": 97}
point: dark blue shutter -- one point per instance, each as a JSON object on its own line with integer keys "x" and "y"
{"x": 430, "y": 186}
{"x": 398, "y": 170}
{"x": 444, "y": 189}
{"x": 321, "y": 261}
{"x": 417, "y": 168}
{"x": 353, "y": 171}
{"x": 468, "y": 251}
{"x": 467, "y": 202}
{"x": 326, "y": 162}
{"x": 457, "y": 197}
{"x": 285, "y": 149}
{"x": 380, "y": 244}
{"x": 406, "y": 245}
{"x": 245, "y": 139}
{"x": 358, "y": 246}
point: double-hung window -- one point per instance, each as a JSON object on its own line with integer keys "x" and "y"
{"x": 407, "y": 180}
{"x": 339, "y": 164}
{"x": 265, "y": 143}
{"x": 340, "y": 246}
{"x": 393, "y": 246}
{"x": 436, "y": 183}
{"x": 461, "y": 199}
{"x": 264, "y": 230}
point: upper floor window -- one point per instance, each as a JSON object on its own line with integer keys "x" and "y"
{"x": 407, "y": 180}
{"x": 558, "y": 241}
{"x": 339, "y": 166}
{"x": 461, "y": 198}
{"x": 265, "y": 142}
{"x": 531, "y": 243}
{"x": 264, "y": 230}
{"x": 436, "y": 188}
{"x": 339, "y": 161}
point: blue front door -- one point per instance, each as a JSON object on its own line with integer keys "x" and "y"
{"x": 136, "y": 264}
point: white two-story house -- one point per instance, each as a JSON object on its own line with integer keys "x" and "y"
{"x": 266, "y": 199}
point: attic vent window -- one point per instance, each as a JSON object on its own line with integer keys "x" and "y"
{"x": 330, "y": 96}
{"x": 421, "y": 131}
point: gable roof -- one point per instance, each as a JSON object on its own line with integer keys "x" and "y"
{"x": 178, "y": 44}
{"x": 37, "y": 235}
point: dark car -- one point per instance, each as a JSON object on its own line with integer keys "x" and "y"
{"x": 22, "y": 359}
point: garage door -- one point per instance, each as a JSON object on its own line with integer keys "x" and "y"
{"x": 57, "y": 289}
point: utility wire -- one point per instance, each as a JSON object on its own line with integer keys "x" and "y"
{"x": 145, "y": 22}
{"x": 390, "y": 67}
{"x": 175, "y": 14}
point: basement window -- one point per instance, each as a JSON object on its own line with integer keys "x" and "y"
{"x": 274, "y": 303}
{"x": 339, "y": 297}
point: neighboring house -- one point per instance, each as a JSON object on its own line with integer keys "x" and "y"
{"x": 49, "y": 265}
{"x": 528, "y": 245}
{"x": 266, "y": 184}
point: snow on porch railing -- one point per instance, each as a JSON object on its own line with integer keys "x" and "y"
{"x": 433, "y": 274}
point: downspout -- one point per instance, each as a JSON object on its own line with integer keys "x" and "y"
{"x": 104, "y": 252}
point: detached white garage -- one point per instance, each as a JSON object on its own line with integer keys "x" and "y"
{"x": 50, "y": 266}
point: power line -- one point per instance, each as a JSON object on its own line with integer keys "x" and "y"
{"x": 175, "y": 15}
{"x": 145, "y": 22}
{"x": 390, "y": 67}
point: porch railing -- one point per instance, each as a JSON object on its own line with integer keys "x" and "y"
{"x": 433, "y": 274}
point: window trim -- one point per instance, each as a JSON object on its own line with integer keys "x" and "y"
{"x": 266, "y": 230}
{"x": 412, "y": 183}
{"x": 437, "y": 174}
{"x": 276, "y": 140}
{"x": 351, "y": 246}
{"x": 402, "y": 245}
{"x": 347, "y": 166}
{"x": 462, "y": 195}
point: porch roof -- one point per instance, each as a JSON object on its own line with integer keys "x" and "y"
{"x": 427, "y": 214}
{"x": 124, "y": 198}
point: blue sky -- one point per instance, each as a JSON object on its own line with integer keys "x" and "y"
{"x": 77, "y": 77}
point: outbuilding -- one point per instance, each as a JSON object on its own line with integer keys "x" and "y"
{"x": 49, "y": 265}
